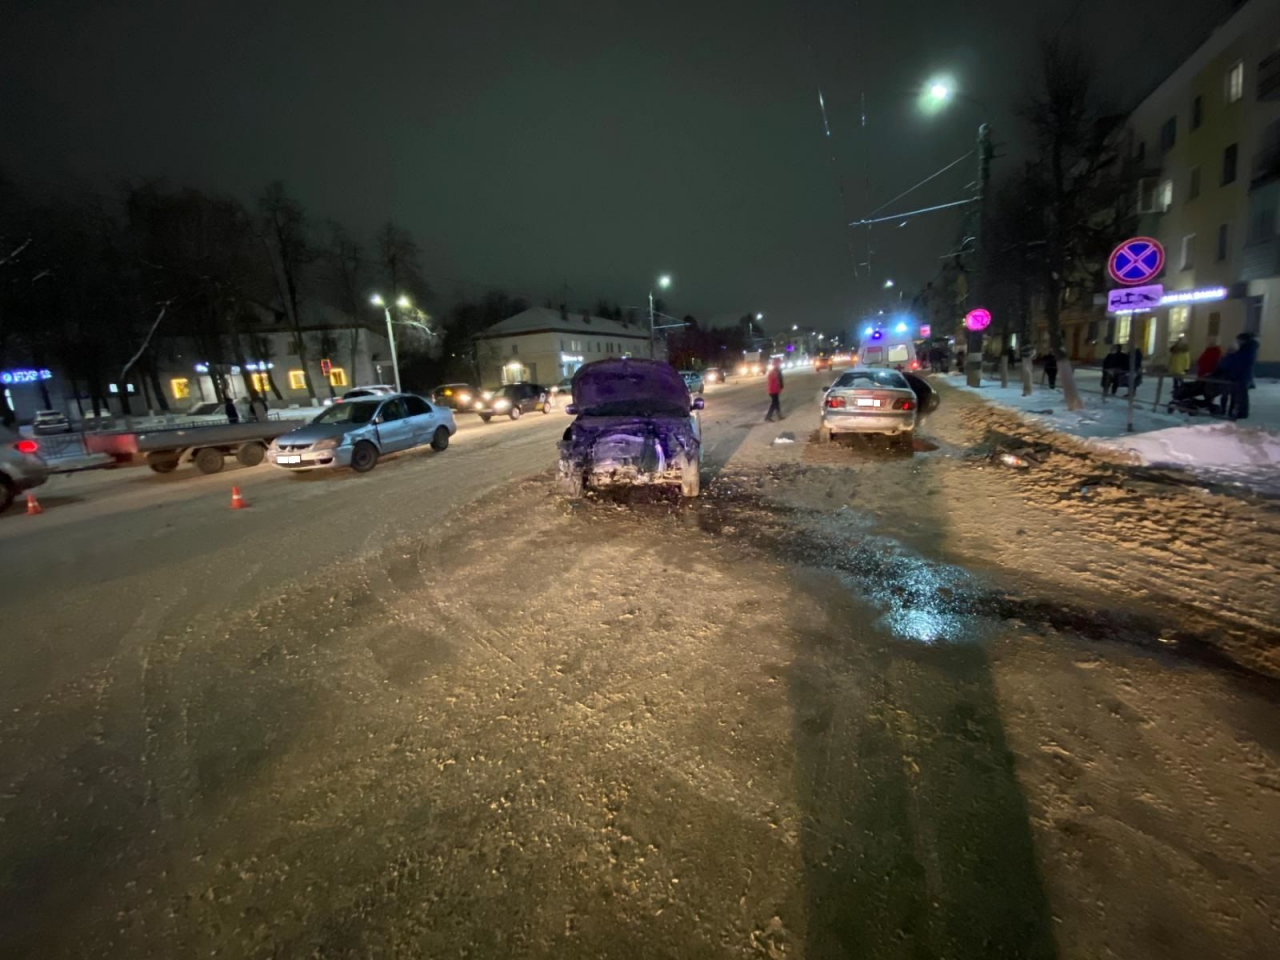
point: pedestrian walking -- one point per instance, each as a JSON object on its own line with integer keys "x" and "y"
{"x": 1114, "y": 364}
{"x": 1179, "y": 360}
{"x": 774, "y": 385}
{"x": 1051, "y": 369}
{"x": 229, "y": 407}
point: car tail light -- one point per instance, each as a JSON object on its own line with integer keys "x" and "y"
{"x": 903, "y": 405}
{"x": 835, "y": 403}
{"x": 26, "y": 446}
{"x": 915, "y": 364}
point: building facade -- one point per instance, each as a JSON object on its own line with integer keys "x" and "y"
{"x": 543, "y": 345}
{"x": 1208, "y": 139}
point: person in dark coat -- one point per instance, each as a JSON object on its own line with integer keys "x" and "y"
{"x": 1237, "y": 367}
{"x": 774, "y": 385}
{"x": 1114, "y": 364}
{"x": 233, "y": 415}
{"x": 1051, "y": 369}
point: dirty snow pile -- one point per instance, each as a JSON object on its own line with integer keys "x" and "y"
{"x": 1215, "y": 450}
{"x": 1226, "y": 450}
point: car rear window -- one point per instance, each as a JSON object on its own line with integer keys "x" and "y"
{"x": 867, "y": 379}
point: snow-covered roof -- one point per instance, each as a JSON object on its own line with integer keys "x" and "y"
{"x": 543, "y": 319}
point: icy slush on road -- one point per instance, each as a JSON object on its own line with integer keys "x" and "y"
{"x": 635, "y": 425}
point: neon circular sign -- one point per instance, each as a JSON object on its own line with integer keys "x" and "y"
{"x": 978, "y": 319}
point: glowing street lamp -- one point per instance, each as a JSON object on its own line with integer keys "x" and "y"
{"x": 664, "y": 281}
{"x": 888, "y": 284}
{"x": 403, "y": 303}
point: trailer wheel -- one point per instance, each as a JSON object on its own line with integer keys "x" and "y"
{"x": 209, "y": 460}
{"x": 163, "y": 466}
{"x": 251, "y": 454}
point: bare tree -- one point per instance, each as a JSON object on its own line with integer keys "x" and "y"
{"x": 1079, "y": 182}
{"x": 284, "y": 236}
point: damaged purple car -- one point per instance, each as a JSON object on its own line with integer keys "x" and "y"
{"x": 635, "y": 425}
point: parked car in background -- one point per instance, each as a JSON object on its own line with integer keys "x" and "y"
{"x": 369, "y": 390}
{"x": 713, "y": 375}
{"x": 455, "y": 396}
{"x": 20, "y": 466}
{"x": 513, "y": 400}
{"x": 822, "y": 363}
{"x": 635, "y": 425}
{"x": 693, "y": 380}
{"x": 563, "y": 389}
{"x": 870, "y": 401}
{"x": 48, "y": 422}
{"x": 357, "y": 433}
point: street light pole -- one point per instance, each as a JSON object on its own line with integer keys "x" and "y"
{"x": 973, "y": 360}
{"x": 664, "y": 281}
{"x": 377, "y": 301}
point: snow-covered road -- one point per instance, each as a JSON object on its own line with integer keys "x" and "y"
{"x": 847, "y": 704}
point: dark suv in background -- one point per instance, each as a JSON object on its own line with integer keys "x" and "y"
{"x": 513, "y": 400}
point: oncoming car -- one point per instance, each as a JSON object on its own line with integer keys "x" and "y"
{"x": 455, "y": 396}
{"x": 693, "y": 380}
{"x": 713, "y": 375}
{"x": 870, "y": 401}
{"x": 635, "y": 425}
{"x": 513, "y": 400}
{"x": 357, "y": 433}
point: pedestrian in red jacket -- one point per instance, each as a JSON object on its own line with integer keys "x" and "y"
{"x": 1209, "y": 360}
{"x": 774, "y": 384}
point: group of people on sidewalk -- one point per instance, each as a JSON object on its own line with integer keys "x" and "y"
{"x": 1223, "y": 379}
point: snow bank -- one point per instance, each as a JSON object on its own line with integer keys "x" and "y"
{"x": 1224, "y": 451}
{"x": 1217, "y": 451}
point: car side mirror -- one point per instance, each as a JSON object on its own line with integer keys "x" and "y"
{"x": 571, "y": 409}
{"x": 379, "y": 420}
{"x": 699, "y": 403}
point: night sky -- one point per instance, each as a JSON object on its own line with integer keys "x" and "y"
{"x": 530, "y": 145}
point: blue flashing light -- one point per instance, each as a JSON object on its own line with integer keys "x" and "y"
{"x": 901, "y": 328}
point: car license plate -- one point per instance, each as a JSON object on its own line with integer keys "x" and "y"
{"x": 867, "y": 402}
{"x": 289, "y": 458}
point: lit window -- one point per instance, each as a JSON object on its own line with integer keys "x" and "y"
{"x": 1166, "y": 195}
{"x": 180, "y": 387}
{"x": 1122, "y": 329}
{"x": 297, "y": 380}
{"x": 1179, "y": 322}
{"x": 261, "y": 382}
{"x": 337, "y": 377}
{"x": 1235, "y": 82}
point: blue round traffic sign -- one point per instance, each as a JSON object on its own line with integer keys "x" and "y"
{"x": 1136, "y": 261}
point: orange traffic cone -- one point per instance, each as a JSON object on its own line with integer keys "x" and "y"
{"x": 237, "y": 502}
{"x": 33, "y": 505}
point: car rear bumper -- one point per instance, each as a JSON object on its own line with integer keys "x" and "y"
{"x": 878, "y": 422}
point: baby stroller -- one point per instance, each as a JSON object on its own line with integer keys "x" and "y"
{"x": 1198, "y": 396}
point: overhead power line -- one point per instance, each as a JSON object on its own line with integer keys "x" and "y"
{"x": 912, "y": 213}
{"x": 922, "y": 182}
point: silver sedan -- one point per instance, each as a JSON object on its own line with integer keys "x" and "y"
{"x": 357, "y": 433}
{"x": 869, "y": 401}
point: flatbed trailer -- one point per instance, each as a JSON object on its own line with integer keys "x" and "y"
{"x": 164, "y": 449}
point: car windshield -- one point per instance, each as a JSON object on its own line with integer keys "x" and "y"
{"x": 361, "y": 411}
{"x": 855, "y": 379}
{"x": 203, "y": 409}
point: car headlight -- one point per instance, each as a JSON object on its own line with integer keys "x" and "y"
{"x": 486, "y": 395}
{"x": 328, "y": 443}
{"x": 464, "y": 398}
{"x": 501, "y": 404}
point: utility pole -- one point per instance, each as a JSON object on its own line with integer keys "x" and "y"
{"x": 977, "y": 293}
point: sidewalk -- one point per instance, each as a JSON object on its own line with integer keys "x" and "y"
{"x": 1246, "y": 453}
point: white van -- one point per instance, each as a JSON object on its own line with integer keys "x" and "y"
{"x": 888, "y": 350}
